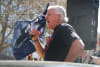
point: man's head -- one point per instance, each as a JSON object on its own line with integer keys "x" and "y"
{"x": 55, "y": 15}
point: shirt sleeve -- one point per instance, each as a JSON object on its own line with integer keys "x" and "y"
{"x": 66, "y": 33}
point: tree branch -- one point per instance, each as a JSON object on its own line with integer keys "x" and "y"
{"x": 4, "y": 47}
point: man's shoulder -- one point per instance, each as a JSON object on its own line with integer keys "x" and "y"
{"x": 66, "y": 25}
{"x": 67, "y": 28}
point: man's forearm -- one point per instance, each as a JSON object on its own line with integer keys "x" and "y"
{"x": 96, "y": 60}
{"x": 40, "y": 50}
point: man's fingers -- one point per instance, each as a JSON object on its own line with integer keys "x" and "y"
{"x": 35, "y": 32}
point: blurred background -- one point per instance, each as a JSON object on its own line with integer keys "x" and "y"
{"x": 12, "y": 11}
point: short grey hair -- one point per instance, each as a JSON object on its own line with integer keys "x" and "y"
{"x": 60, "y": 10}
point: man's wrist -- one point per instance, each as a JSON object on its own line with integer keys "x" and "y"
{"x": 35, "y": 40}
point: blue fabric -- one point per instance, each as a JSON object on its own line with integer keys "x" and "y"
{"x": 22, "y": 43}
{"x": 24, "y": 49}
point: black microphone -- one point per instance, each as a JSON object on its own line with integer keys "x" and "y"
{"x": 41, "y": 22}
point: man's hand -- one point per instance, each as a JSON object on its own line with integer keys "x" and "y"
{"x": 35, "y": 34}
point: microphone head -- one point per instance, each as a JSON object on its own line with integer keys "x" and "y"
{"x": 44, "y": 13}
